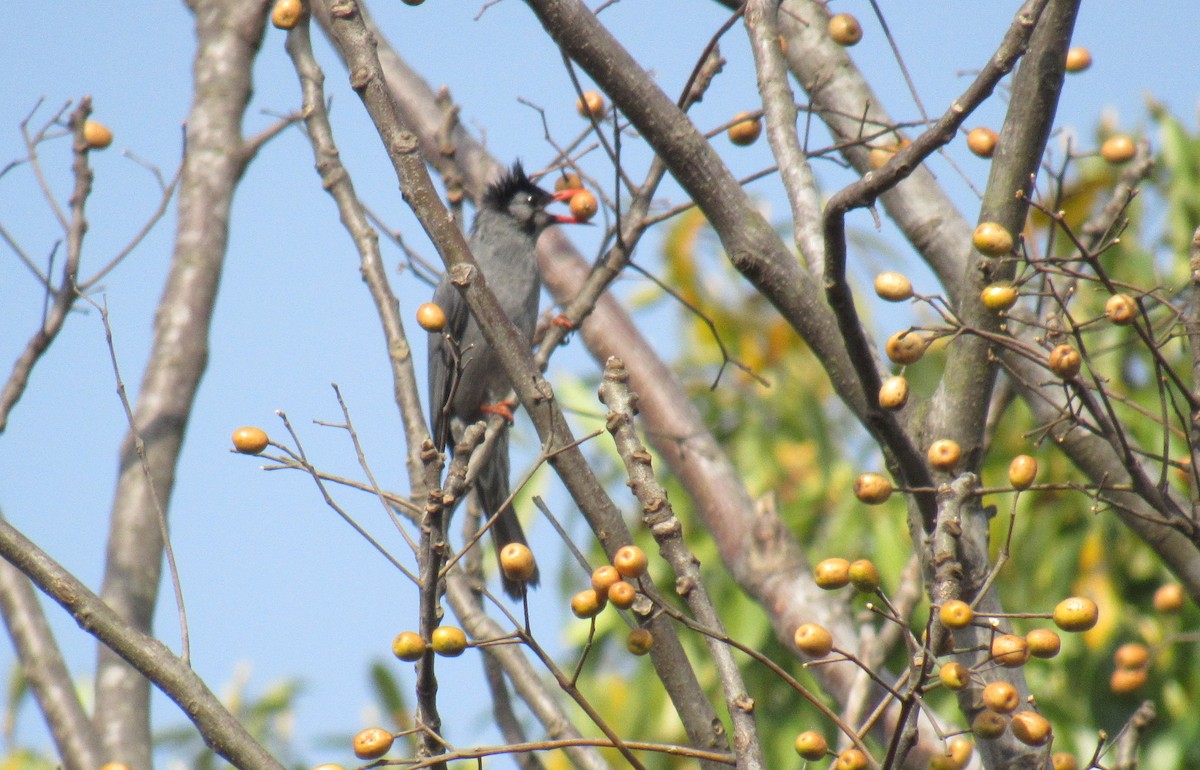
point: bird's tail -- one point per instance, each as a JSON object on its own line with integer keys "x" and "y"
{"x": 492, "y": 487}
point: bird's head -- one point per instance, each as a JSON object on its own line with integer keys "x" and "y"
{"x": 515, "y": 196}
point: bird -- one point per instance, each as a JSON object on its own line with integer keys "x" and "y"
{"x": 508, "y": 220}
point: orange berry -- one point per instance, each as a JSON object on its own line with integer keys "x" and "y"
{"x": 988, "y": 724}
{"x": 1126, "y": 680}
{"x": 631, "y": 562}
{"x": 250, "y": 440}
{"x": 286, "y": 13}
{"x": 569, "y": 180}
{"x": 372, "y": 743}
{"x": 583, "y": 205}
{"x": 1132, "y": 655}
{"x": 1030, "y": 728}
{"x": 1065, "y": 361}
{"x": 1010, "y": 650}
{"x": 872, "y": 489}
{"x": 1121, "y": 309}
{"x": 906, "y": 347}
{"x": 96, "y": 135}
{"x": 1118, "y": 149}
{"x": 622, "y": 594}
{"x": 591, "y": 105}
{"x": 1001, "y": 697}
{"x": 851, "y": 759}
{"x": 603, "y": 578}
{"x": 1078, "y": 59}
{"x": 1061, "y": 760}
{"x": 982, "y": 141}
{"x": 431, "y": 317}
{"x": 745, "y": 131}
{"x": 587, "y": 604}
{"x": 1022, "y": 471}
{"x": 640, "y": 641}
{"x": 812, "y": 746}
{"x": 1043, "y": 643}
{"x": 1169, "y": 598}
{"x": 944, "y": 454}
{"x": 517, "y": 563}
{"x": 1076, "y": 614}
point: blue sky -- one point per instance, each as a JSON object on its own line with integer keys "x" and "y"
{"x": 271, "y": 576}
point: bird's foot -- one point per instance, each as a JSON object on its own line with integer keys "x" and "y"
{"x": 502, "y": 408}
{"x": 563, "y": 321}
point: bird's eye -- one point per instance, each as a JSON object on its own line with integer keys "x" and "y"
{"x": 529, "y": 199}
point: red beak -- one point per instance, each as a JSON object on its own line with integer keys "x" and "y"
{"x": 565, "y": 196}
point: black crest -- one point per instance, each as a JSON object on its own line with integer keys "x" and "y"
{"x": 512, "y": 184}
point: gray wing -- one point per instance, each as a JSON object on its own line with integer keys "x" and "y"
{"x": 441, "y": 362}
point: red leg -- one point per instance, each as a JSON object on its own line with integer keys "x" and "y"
{"x": 563, "y": 321}
{"x": 502, "y": 408}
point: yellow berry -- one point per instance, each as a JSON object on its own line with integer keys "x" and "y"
{"x": 956, "y": 614}
{"x": 408, "y": 646}
{"x": 893, "y": 393}
{"x": 517, "y": 563}
{"x": 955, "y": 675}
{"x": 893, "y": 287}
{"x": 999, "y": 296}
{"x": 1076, "y": 614}
{"x": 845, "y": 29}
{"x": 992, "y": 239}
{"x": 568, "y": 181}
{"x": 988, "y": 724}
{"x": 431, "y": 317}
{"x": 1061, "y": 760}
{"x": 1126, "y": 680}
{"x": 813, "y": 640}
{"x": 864, "y": 575}
{"x": 832, "y": 573}
{"x": 448, "y": 641}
